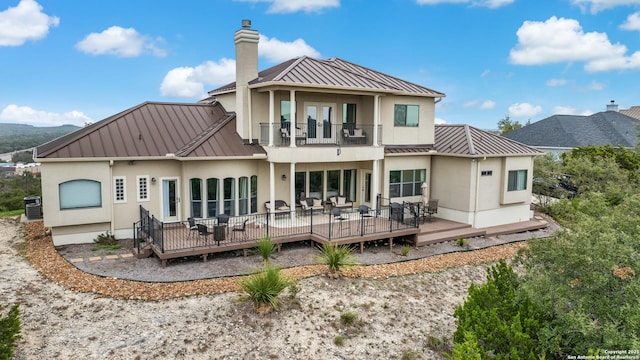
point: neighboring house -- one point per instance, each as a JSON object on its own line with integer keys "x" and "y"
{"x": 559, "y": 133}
{"x": 633, "y": 112}
{"x": 303, "y": 128}
{"x": 6, "y": 171}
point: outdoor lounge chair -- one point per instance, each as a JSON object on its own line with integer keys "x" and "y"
{"x": 355, "y": 136}
{"x": 311, "y": 204}
{"x": 432, "y": 208}
{"x": 300, "y": 135}
{"x": 280, "y": 207}
{"x": 340, "y": 202}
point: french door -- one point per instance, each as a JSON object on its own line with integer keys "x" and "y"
{"x": 320, "y": 121}
{"x": 170, "y": 199}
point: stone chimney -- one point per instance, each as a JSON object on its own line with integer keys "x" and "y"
{"x": 246, "y": 41}
{"x": 612, "y": 106}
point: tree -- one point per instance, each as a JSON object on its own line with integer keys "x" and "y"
{"x": 496, "y": 319}
{"x": 585, "y": 280}
{"x": 10, "y": 327}
{"x": 505, "y": 125}
{"x": 25, "y": 157}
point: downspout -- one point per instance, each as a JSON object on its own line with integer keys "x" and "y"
{"x": 112, "y": 227}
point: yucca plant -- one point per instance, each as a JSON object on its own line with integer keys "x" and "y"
{"x": 266, "y": 248}
{"x": 336, "y": 257}
{"x": 264, "y": 288}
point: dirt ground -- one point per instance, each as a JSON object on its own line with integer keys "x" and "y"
{"x": 67, "y": 313}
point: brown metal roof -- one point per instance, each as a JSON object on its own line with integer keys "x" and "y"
{"x": 470, "y": 141}
{"x": 633, "y": 112}
{"x": 408, "y": 149}
{"x": 333, "y": 72}
{"x": 155, "y": 129}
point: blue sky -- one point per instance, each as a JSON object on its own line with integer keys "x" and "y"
{"x": 71, "y": 62}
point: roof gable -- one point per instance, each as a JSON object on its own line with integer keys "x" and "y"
{"x": 471, "y": 141}
{"x": 155, "y": 129}
{"x": 569, "y": 131}
{"x": 333, "y": 72}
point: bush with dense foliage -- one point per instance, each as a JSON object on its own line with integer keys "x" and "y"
{"x": 264, "y": 287}
{"x": 10, "y": 327}
{"x": 495, "y": 321}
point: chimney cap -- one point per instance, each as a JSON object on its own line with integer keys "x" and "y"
{"x": 246, "y": 24}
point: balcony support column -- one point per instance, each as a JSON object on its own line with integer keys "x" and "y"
{"x": 376, "y": 120}
{"x": 292, "y": 190}
{"x": 292, "y": 111}
{"x": 271, "y": 116}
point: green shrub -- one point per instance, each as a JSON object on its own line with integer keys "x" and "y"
{"x": 348, "y": 317}
{"x": 338, "y": 340}
{"x": 502, "y": 322}
{"x": 10, "y": 327}
{"x": 265, "y": 248}
{"x": 404, "y": 250}
{"x": 264, "y": 287}
{"x": 336, "y": 256}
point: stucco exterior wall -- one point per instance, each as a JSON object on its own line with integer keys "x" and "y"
{"x": 402, "y": 135}
{"x": 451, "y": 179}
{"x": 393, "y": 163}
{"x": 517, "y": 163}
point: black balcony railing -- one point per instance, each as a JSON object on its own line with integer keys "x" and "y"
{"x": 225, "y": 231}
{"x": 319, "y": 134}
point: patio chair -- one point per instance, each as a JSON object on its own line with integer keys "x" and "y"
{"x": 221, "y": 227}
{"x": 367, "y": 218}
{"x": 240, "y": 228}
{"x": 432, "y": 208}
{"x": 204, "y": 231}
{"x": 337, "y": 216}
{"x": 192, "y": 226}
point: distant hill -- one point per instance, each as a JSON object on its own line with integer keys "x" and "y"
{"x": 19, "y": 136}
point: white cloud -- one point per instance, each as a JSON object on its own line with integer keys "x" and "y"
{"x": 524, "y": 110}
{"x": 563, "y": 40}
{"x": 487, "y": 104}
{"x": 292, "y": 6}
{"x": 632, "y": 23}
{"x": 276, "y": 51}
{"x": 189, "y": 82}
{"x": 556, "y": 82}
{"x": 118, "y": 41}
{"x": 30, "y": 116}
{"x": 491, "y": 4}
{"x": 569, "y": 110}
{"x": 24, "y": 22}
{"x": 440, "y": 121}
{"x": 595, "y": 86}
{"x": 599, "y": 5}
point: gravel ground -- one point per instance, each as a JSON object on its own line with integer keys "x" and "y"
{"x": 68, "y": 314}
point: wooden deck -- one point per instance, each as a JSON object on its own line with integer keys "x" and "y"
{"x": 180, "y": 242}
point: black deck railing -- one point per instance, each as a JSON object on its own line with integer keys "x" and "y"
{"x": 222, "y": 230}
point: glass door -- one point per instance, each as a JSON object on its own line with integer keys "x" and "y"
{"x": 320, "y": 124}
{"x": 170, "y": 199}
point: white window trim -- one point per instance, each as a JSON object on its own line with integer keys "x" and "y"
{"x": 146, "y": 178}
{"x": 115, "y": 189}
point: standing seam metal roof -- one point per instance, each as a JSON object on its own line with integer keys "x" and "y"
{"x": 471, "y": 141}
{"x": 333, "y": 72}
{"x": 155, "y": 129}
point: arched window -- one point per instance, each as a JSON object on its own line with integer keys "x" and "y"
{"x": 196, "y": 197}
{"x": 229, "y": 194}
{"x": 212, "y": 197}
{"x": 243, "y": 195}
{"x": 77, "y": 194}
{"x": 254, "y": 194}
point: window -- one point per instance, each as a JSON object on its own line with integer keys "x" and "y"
{"x": 254, "y": 194}
{"x": 517, "y": 180}
{"x": 348, "y": 113}
{"x": 229, "y": 193}
{"x": 243, "y": 195}
{"x": 285, "y": 111}
{"x": 212, "y": 197}
{"x": 77, "y": 194}
{"x": 300, "y": 185}
{"x": 406, "y": 115}
{"x": 119, "y": 189}
{"x": 333, "y": 183}
{"x": 196, "y": 197}
{"x": 406, "y": 182}
{"x": 486, "y": 173}
{"x": 316, "y": 184}
{"x": 349, "y": 184}
{"x": 143, "y": 188}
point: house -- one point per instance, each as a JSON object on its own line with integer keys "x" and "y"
{"x": 306, "y": 128}
{"x": 559, "y": 133}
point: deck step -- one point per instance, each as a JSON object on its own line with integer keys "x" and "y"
{"x": 145, "y": 251}
{"x": 433, "y": 238}
{"x": 523, "y": 226}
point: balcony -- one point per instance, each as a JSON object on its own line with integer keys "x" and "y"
{"x": 305, "y": 134}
